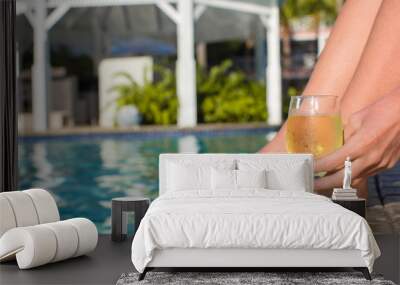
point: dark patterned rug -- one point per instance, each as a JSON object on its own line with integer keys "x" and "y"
{"x": 243, "y": 278}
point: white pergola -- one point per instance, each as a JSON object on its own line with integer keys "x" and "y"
{"x": 44, "y": 14}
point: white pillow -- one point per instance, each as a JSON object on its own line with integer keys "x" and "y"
{"x": 282, "y": 174}
{"x": 296, "y": 181}
{"x": 223, "y": 179}
{"x": 184, "y": 177}
{"x": 251, "y": 178}
{"x": 189, "y": 174}
{"x": 230, "y": 180}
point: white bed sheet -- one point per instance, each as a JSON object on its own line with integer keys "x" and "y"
{"x": 250, "y": 219}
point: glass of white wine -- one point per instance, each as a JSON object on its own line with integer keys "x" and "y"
{"x": 314, "y": 125}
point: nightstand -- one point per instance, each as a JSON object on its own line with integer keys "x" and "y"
{"x": 120, "y": 209}
{"x": 357, "y": 205}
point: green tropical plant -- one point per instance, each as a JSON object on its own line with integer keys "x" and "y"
{"x": 291, "y": 91}
{"x": 321, "y": 10}
{"x": 223, "y": 95}
{"x": 156, "y": 101}
{"x": 228, "y": 96}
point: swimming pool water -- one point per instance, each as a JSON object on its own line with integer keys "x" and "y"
{"x": 84, "y": 173}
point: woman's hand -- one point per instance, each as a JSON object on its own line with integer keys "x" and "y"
{"x": 372, "y": 141}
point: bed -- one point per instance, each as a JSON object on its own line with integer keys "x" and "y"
{"x": 246, "y": 211}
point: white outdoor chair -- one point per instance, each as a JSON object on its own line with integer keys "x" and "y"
{"x": 31, "y": 231}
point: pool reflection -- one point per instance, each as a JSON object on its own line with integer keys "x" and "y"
{"x": 85, "y": 174}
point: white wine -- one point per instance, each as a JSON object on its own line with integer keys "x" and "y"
{"x": 316, "y": 134}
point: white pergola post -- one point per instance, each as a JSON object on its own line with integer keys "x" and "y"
{"x": 186, "y": 66}
{"x": 274, "y": 77}
{"x": 40, "y": 70}
{"x": 273, "y": 69}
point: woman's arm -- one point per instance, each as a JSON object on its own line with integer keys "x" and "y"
{"x": 371, "y": 125}
{"x": 340, "y": 57}
{"x": 378, "y": 71}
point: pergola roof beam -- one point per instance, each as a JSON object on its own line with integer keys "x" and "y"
{"x": 29, "y": 15}
{"x": 56, "y": 15}
{"x": 237, "y": 6}
{"x": 102, "y": 3}
{"x": 199, "y": 11}
{"x": 264, "y": 21}
{"x": 223, "y": 4}
{"x": 169, "y": 10}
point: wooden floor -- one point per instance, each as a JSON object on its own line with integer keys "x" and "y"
{"x": 106, "y": 264}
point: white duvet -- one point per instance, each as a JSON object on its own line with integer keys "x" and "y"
{"x": 250, "y": 219}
